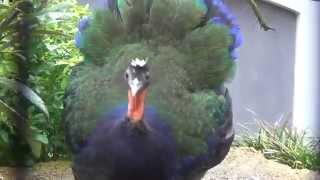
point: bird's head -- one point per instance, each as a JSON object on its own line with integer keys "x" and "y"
{"x": 138, "y": 78}
{"x": 137, "y": 75}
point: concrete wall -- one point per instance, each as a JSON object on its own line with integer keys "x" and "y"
{"x": 307, "y": 83}
{"x": 278, "y": 71}
{"x": 264, "y": 82}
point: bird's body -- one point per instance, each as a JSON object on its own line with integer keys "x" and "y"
{"x": 116, "y": 150}
{"x": 168, "y": 118}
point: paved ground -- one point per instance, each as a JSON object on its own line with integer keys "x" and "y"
{"x": 240, "y": 164}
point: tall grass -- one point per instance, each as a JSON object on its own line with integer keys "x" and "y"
{"x": 284, "y": 144}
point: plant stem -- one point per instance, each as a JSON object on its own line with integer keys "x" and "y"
{"x": 21, "y": 43}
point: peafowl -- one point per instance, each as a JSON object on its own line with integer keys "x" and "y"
{"x": 148, "y": 101}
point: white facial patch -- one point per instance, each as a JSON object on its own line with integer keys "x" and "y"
{"x": 138, "y": 62}
{"x": 135, "y": 85}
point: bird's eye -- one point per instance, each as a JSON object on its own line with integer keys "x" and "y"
{"x": 126, "y": 75}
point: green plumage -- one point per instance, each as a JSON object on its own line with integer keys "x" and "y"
{"x": 186, "y": 64}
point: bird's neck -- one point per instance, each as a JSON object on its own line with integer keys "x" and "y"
{"x": 136, "y": 106}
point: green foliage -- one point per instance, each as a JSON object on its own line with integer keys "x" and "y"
{"x": 23, "y": 141}
{"x": 288, "y": 146}
{"x": 51, "y": 55}
{"x": 28, "y": 93}
{"x": 13, "y": 151}
{"x": 58, "y": 55}
{"x": 34, "y": 137}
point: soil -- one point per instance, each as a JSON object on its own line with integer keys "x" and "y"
{"x": 240, "y": 164}
{"x": 248, "y": 164}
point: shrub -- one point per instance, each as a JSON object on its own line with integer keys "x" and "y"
{"x": 288, "y": 146}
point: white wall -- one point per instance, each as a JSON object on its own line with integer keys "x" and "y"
{"x": 306, "y": 108}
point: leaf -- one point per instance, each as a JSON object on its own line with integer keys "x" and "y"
{"x": 9, "y": 108}
{"x": 2, "y": 6}
{"x": 36, "y": 147}
{"x": 8, "y": 19}
{"x": 4, "y": 136}
{"x": 50, "y": 32}
{"x": 35, "y": 140}
{"x": 41, "y": 138}
{"x": 56, "y": 8}
{"x": 27, "y": 92}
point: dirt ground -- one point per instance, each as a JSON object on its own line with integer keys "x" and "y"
{"x": 240, "y": 164}
{"x": 248, "y": 164}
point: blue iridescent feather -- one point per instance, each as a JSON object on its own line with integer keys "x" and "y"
{"x": 223, "y": 16}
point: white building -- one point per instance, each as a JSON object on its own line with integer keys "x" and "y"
{"x": 279, "y": 72}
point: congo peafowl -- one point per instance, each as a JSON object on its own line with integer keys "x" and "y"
{"x": 148, "y": 101}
